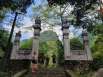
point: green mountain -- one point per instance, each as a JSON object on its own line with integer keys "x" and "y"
{"x": 26, "y": 44}
{"x": 44, "y": 37}
{"x": 48, "y": 36}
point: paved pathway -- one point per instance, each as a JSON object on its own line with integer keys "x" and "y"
{"x": 53, "y": 72}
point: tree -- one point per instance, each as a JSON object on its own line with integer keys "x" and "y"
{"x": 43, "y": 48}
{"x": 60, "y": 52}
{"x": 97, "y": 47}
{"x": 3, "y": 40}
{"x": 75, "y": 44}
{"x": 13, "y": 5}
{"x": 80, "y": 6}
{"x": 19, "y": 5}
{"x": 97, "y": 50}
{"x": 98, "y": 29}
{"x": 26, "y": 44}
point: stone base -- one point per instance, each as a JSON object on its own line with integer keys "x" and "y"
{"x": 34, "y": 68}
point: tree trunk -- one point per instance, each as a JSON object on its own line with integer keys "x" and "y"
{"x": 6, "y": 60}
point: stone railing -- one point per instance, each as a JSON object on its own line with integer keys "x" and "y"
{"x": 22, "y": 54}
{"x": 78, "y": 52}
{"x": 78, "y": 55}
{"x": 24, "y": 51}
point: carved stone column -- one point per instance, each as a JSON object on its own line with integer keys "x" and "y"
{"x": 86, "y": 44}
{"x": 66, "y": 40}
{"x": 16, "y": 45}
{"x": 35, "y": 47}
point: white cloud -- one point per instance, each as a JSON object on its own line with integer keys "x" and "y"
{"x": 27, "y": 30}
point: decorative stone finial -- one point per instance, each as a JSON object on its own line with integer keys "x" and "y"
{"x": 38, "y": 20}
{"x": 65, "y": 24}
{"x": 18, "y": 34}
{"x": 65, "y": 21}
{"x": 17, "y": 37}
{"x": 37, "y": 23}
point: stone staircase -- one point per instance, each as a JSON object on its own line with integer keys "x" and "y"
{"x": 51, "y": 72}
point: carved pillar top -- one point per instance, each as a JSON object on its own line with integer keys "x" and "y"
{"x": 37, "y": 23}
{"x": 65, "y": 24}
{"x": 37, "y": 27}
{"x": 65, "y": 28}
{"x": 17, "y": 36}
{"x": 38, "y": 20}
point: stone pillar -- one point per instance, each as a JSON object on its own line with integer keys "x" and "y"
{"x": 86, "y": 44}
{"x": 16, "y": 45}
{"x": 66, "y": 40}
{"x": 35, "y": 47}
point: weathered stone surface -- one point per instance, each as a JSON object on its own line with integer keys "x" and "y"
{"x": 99, "y": 73}
{"x": 54, "y": 72}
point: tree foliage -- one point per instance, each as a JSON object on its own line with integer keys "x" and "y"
{"x": 13, "y": 5}
{"x": 98, "y": 29}
{"x": 82, "y": 9}
{"x": 97, "y": 48}
{"x": 86, "y": 3}
{"x": 75, "y": 44}
{"x": 26, "y": 44}
{"x": 43, "y": 47}
{"x": 3, "y": 39}
{"x": 60, "y": 52}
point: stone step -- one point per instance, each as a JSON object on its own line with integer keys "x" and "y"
{"x": 48, "y": 73}
{"x": 45, "y": 75}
